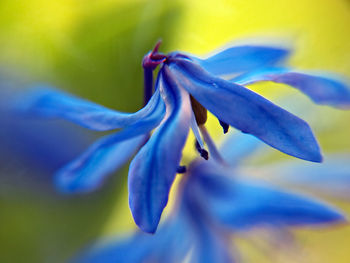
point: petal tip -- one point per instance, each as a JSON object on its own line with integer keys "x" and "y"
{"x": 337, "y": 217}
{"x": 317, "y": 158}
{"x": 147, "y": 226}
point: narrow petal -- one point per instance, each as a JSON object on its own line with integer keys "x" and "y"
{"x": 249, "y": 112}
{"x": 40, "y": 145}
{"x": 50, "y": 103}
{"x": 332, "y": 178}
{"x": 320, "y": 89}
{"x": 241, "y": 204}
{"x": 88, "y": 171}
{"x": 242, "y": 58}
{"x": 154, "y": 168}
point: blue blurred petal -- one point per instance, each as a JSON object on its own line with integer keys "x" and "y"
{"x": 88, "y": 171}
{"x": 31, "y": 143}
{"x": 170, "y": 244}
{"x": 50, "y": 103}
{"x": 210, "y": 247}
{"x": 209, "y": 243}
{"x": 242, "y": 58}
{"x": 131, "y": 250}
{"x": 249, "y": 112}
{"x": 331, "y": 178}
{"x": 241, "y": 204}
{"x": 321, "y": 90}
{"x": 154, "y": 168}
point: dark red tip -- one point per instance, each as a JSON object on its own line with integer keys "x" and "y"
{"x": 153, "y": 58}
{"x": 156, "y": 47}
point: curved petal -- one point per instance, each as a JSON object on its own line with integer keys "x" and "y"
{"x": 88, "y": 171}
{"x": 331, "y": 178}
{"x": 320, "y": 89}
{"x": 248, "y": 112}
{"x": 241, "y": 204}
{"x": 50, "y": 103}
{"x": 242, "y": 58}
{"x": 154, "y": 168}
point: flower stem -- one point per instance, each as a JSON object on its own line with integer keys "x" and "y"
{"x": 148, "y": 84}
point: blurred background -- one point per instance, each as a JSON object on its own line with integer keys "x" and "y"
{"x": 94, "y": 48}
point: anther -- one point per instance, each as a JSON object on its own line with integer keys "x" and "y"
{"x": 204, "y": 153}
{"x": 199, "y": 111}
{"x": 224, "y": 126}
{"x": 181, "y": 169}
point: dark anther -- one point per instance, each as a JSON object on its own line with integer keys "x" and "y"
{"x": 224, "y": 126}
{"x": 181, "y": 169}
{"x": 199, "y": 111}
{"x": 204, "y": 154}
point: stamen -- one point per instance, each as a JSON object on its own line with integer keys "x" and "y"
{"x": 211, "y": 145}
{"x": 148, "y": 85}
{"x": 204, "y": 153}
{"x": 224, "y": 126}
{"x": 199, "y": 111}
{"x": 195, "y": 130}
{"x": 181, "y": 169}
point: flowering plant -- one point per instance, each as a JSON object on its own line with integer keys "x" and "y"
{"x": 185, "y": 88}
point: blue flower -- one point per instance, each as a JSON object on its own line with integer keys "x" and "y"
{"x": 215, "y": 203}
{"x": 186, "y": 87}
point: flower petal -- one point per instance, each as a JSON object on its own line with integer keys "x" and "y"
{"x": 320, "y": 89}
{"x": 170, "y": 244}
{"x": 331, "y": 178}
{"x": 210, "y": 243}
{"x": 50, "y": 103}
{"x": 87, "y": 172}
{"x": 242, "y": 58}
{"x": 132, "y": 249}
{"x": 154, "y": 168}
{"x": 241, "y": 204}
{"x": 248, "y": 112}
{"x": 210, "y": 247}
